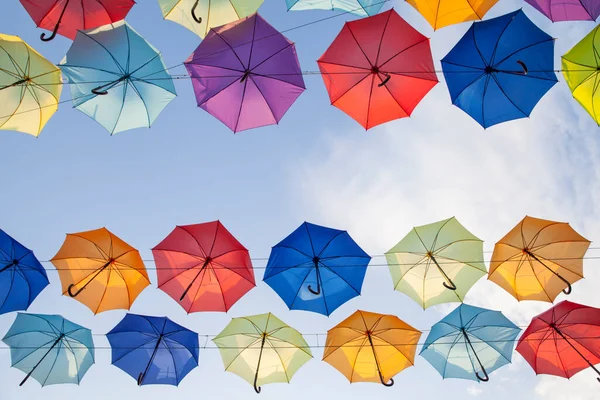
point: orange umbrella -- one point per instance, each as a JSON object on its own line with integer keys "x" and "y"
{"x": 538, "y": 259}
{"x": 100, "y": 270}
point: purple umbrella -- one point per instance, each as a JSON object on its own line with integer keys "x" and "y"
{"x": 568, "y": 10}
{"x": 246, "y": 74}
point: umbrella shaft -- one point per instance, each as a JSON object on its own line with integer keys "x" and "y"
{"x": 529, "y": 253}
{"x": 474, "y": 352}
{"x": 42, "y": 359}
{"x": 143, "y": 375}
{"x": 262, "y": 346}
{"x": 574, "y": 348}
{"x": 375, "y": 357}
{"x": 446, "y": 277}
{"x": 95, "y": 275}
{"x": 206, "y": 262}
{"x": 17, "y": 83}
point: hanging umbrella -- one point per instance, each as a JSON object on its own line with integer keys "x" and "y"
{"x": 441, "y": 13}
{"x": 203, "y": 267}
{"x": 470, "y": 343}
{"x": 117, "y": 78}
{"x": 50, "y": 349}
{"x": 378, "y": 69}
{"x": 437, "y": 263}
{"x": 572, "y": 10}
{"x": 500, "y": 69}
{"x": 153, "y": 350}
{"x": 538, "y": 259}
{"x": 370, "y": 347}
{"x": 563, "y": 340}
{"x": 364, "y": 8}
{"x": 30, "y": 87}
{"x": 316, "y": 269}
{"x": 100, "y": 270}
{"x": 199, "y": 16}
{"x": 22, "y": 277}
{"x": 246, "y": 74}
{"x": 66, "y": 17}
{"x": 262, "y": 349}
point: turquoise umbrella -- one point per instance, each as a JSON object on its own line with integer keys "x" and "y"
{"x": 363, "y": 8}
{"x": 49, "y": 348}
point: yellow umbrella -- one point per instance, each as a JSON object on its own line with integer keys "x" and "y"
{"x": 538, "y": 259}
{"x": 440, "y": 13}
{"x": 370, "y": 347}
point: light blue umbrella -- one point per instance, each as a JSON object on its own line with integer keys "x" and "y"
{"x": 117, "y": 78}
{"x": 470, "y": 343}
{"x": 363, "y": 8}
{"x": 50, "y": 348}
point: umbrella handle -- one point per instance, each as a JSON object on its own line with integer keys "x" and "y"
{"x": 257, "y": 389}
{"x": 98, "y": 92}
{"x": 522, "y": 64}
{"x": 452, "y": 286}
{"x": 43, "y": 37}
{"x": 315, "y": 292}
{"x": 70, "y": 291}
{"x": 197, "y": 19}
{"x": 386, "y": 384}
{"x": 386, "y": 80}
{"x": 485, "y": 378}
{"x": 568, "y": 289}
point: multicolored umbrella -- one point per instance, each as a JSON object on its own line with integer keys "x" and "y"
{"x": 246, "y": 74}
{"x": 117, "y": 78}
{"x": 538, "y": 259}
{"x": 22, "y": 277}
{"x": 563, "y": 340}
{"x": 203, "y": 267}
{"x": 378, "y": 69}
{"x": 441, "y": 13}
{"x": 316, "y": 269}
{"x": 66, "y": 17}
{"x": 470, "y": 343}
{"x": 30, "y": 87}
{"x": 262, "y": 349}
{"x": 364, "y": 8}
{"x": 50, "y": 349}
{"x": 153, "y": 350}
{"x": 100, "y": 270}
{"x": 500, "y": 69}
{"x": 570, "y": 10}
{"x": 370, "y": 347}
{"x": 437, "y": 263}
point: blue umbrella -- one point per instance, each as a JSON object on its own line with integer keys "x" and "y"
{"x": 316, "y": 269}
{"x": 22, "y": 277}
{"x": 50, "y": 349}
{"x": 117, "y": 78}
{"x": 364, "y": 8}
{"x": 153, "y": 350}
{"x": 470, "y": 343}
{"x": 500, "y": 69}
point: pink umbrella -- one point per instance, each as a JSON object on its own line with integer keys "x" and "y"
{"x": 568, "y": 10}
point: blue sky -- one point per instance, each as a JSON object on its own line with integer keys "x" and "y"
{"x": 317, "y": 165}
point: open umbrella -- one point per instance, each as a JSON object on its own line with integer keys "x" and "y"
{"x": 378, "y": 69}
{"x": 500, "y": 69}
{"x": 117, "y": 78}
{"x": 66, "y": 17}
{"x": 50, "y": 349}
{"x": 370, "y": 347}
{"x": 563, "y": 340}
{"x": 570, "y": 10}
{"x": 203, "y": 267}
{"x": 246, "y": 74}
{"x": 262, "y": 349}
{"x": 437, "y": 263}
{"x": 100, "y": 270}
{"x": 22, "y": 277}
{"x": 30, "y": 87}
{"x": 364, "y": 8}
{"x": 441, "y": 13}
{"x": 538, "y": 259}
{"x": 470, "y": 343}
{"x": 316, "y": 269}
{"x": 153, "y": 350}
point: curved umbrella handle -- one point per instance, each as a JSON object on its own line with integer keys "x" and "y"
{"x": 485, "y": 378}
{"x": 522, "y": 64}
{"x": 568, "y": 289}
{"x": 140, "y": 379}
{"x": 315, "y": 292}
{"x": 386, "y": 80}
{"x": 43, "y": 37}
{"x": 70, "y": 291}
{"x": 257, "y": 389}
{"x": 99, "y": 91}
{"x": 384, "y": 383}
{"x": 197, "y": 19}
{"x": 450, "y": 286}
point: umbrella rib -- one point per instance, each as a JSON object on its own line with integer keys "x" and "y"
{"x": 402, "y": 51}
{"x": 263, "y": 96}
{"x": 203, "y": 272}
{"x": 364, "y": 341}
{"x": 214, "y": 240}
{"x": 349, "y": 89}
{"x": 240, "y": 353}
{"x": 129, "y": 351}
{"x": 54, "y": 363}
{"x": 345, "y": 65}
{"x": 183, "y": 271}
{"x": 143, "y": 100}
{"x": 279, "y": 356}
{"x": 537, "y": 234}
{"x": 485, "y": 87}
{"x": 274, "y": 77}
{"x": 489, "y": 344}
{"x": 493, "y": 56}
{"x": 329, "y": 242}
{"x": 380, "y": 43}
{"x": 463, "y": 66}
{"x": 342, "y": 278}
{"x": 271, "y": 56}
{"x": 164, "y": 341}
{"x": 449, "y": 351}
{"x": 397, "y": 349}
{"x": 521, "y": 49}
{"x": 118, "y": 272}
{"x": 220, "y": 288}
{"x": 196, "y": 240}
{"x": 358, "y": 45}
{"x": 559, "y": 265}
{"x": 312, "y": 247}
{"x": 230, "y": 47}
{"x": 300, "y": 286}
{"x": 106, "y": 49}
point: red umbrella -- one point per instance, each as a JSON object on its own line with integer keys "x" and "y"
{"x": 563, "y": 340}
{"x": 203, "y": 267}
{"x": 66, "y": 17}
{"x": 378, "y": 69}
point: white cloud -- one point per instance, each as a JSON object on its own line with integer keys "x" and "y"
{"x": 474, "y": 390}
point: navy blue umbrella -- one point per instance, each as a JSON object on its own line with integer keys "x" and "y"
{"x": 500, "y": 69}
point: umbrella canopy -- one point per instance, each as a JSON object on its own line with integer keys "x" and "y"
{"x": 538, "y": 259}
{"x": 50, "y": 349}
{"x": 199, "y": 16}
{"x": 441, "y": 13}
{"x": 563, "y": 340}
{"x": 378, "y": 69}
{"x": 100, "y": 270}
{"x": 316, "y": 269}
{"x": 117, "y": 78}
{"x": 203, "y": 267}
{"x": 470, "y": 343}
{"x": 30, "y": 87}
{"x": 437, "y": 263}
{"x": 500, "y": 69}
{"x": 153, "y": 350}
{"x": 364, "y": 8}
{"x": 22, "y": 277}
{"x": 571, "y": 10}
{"x": 370, "y": 347}
{"x": 246, "y": 74}
{"x": 66, "y": 17}
{"x": 262, "y": 349}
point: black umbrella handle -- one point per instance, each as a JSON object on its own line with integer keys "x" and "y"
{"x": 316, "y": 292}
{"x": 258, "y": 389}
{"x": 566, "y": 290}
{"x": 72, "y": 286}
{"x": 42, "y": 359}
{"x": 207, "y": 261}
{"x": 384, "y": 81}
{"x": 485, "y": 377}
{"x": 193, "y": 11}
{"x": 383, "y": 382}
{"x": 449, "y": 284}
{"x": 142, "y": 375}
{"x": 55, "y": 31}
